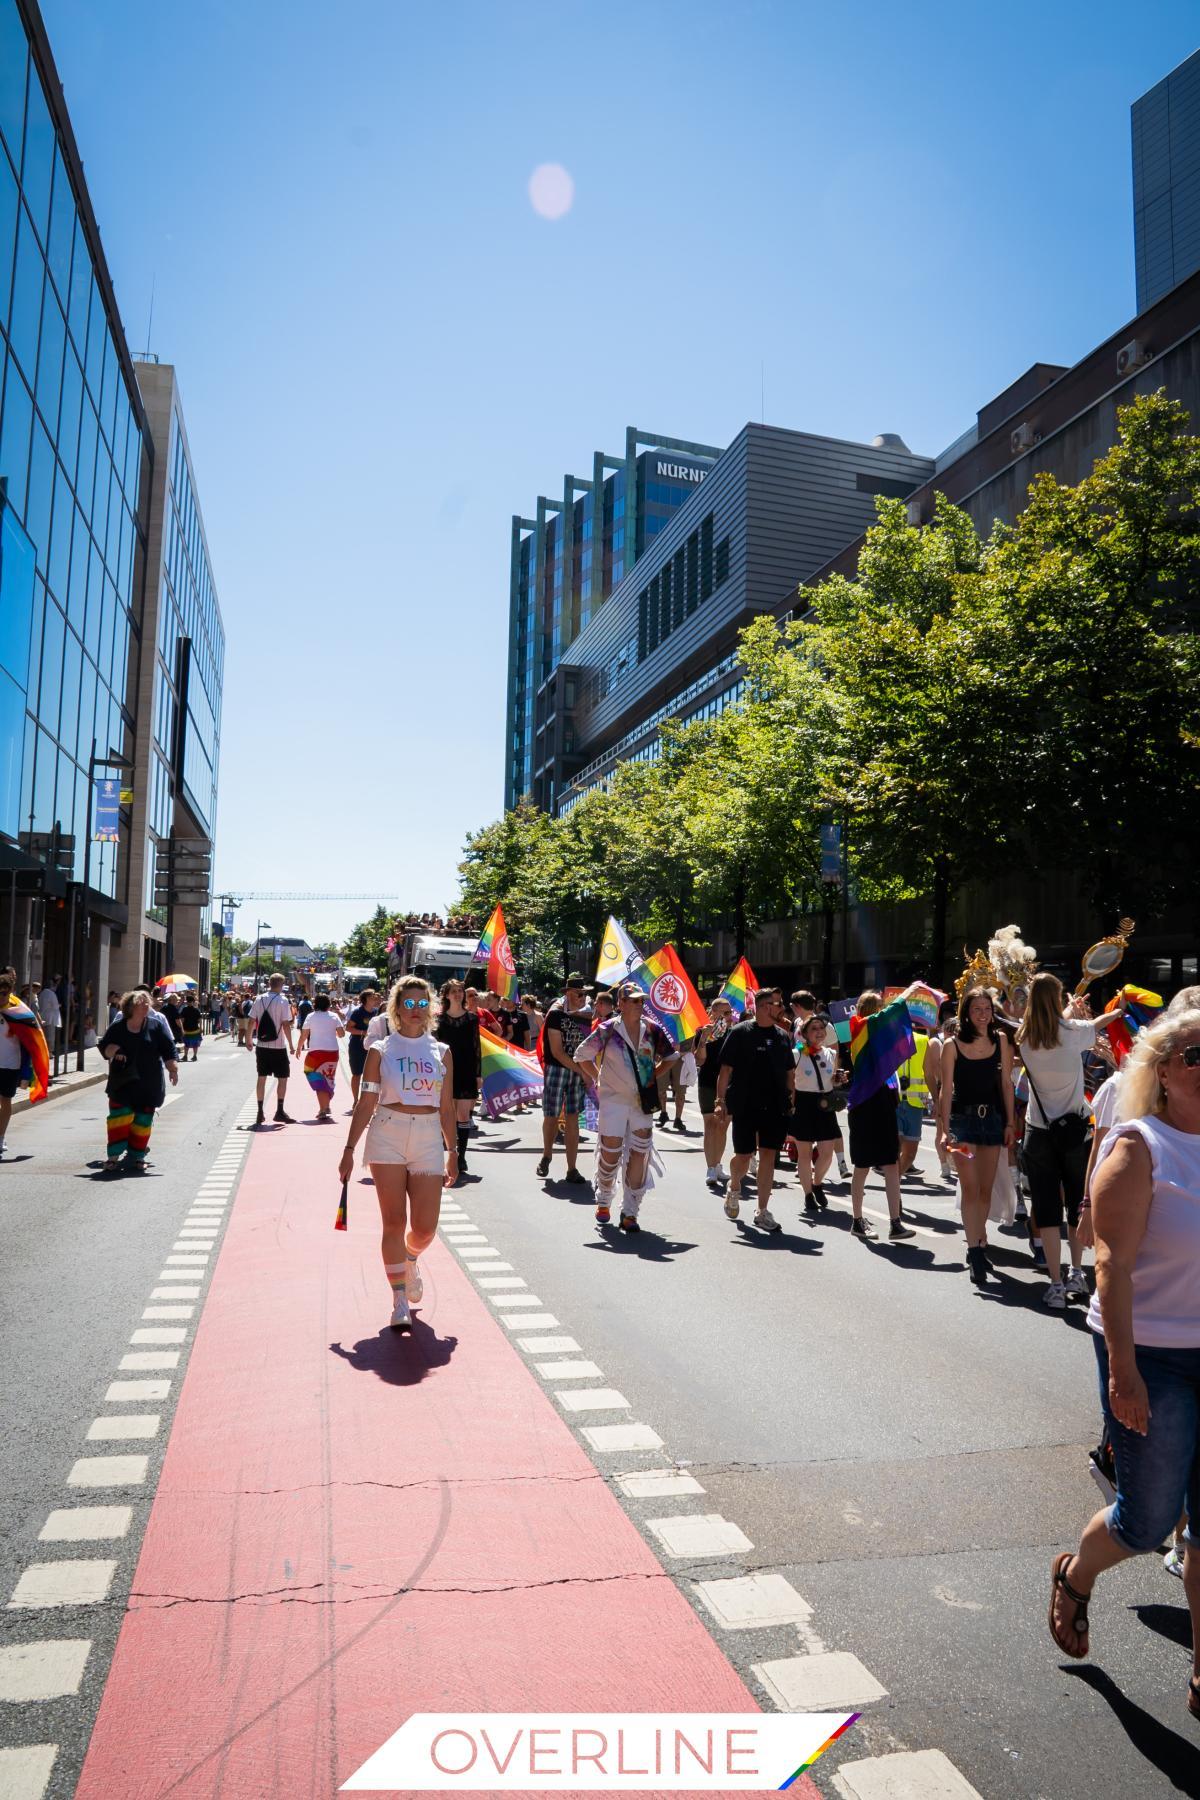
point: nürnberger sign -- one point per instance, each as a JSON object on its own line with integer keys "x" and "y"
{"x": 681, "y": 472}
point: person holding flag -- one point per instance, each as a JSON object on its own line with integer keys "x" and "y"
{"x": 881, "y": 1040}
{"x": 24, "y": 1056}
{"x": 628, "y": 1054}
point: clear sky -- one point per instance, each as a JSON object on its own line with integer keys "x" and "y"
{"x": 872, "y": 218}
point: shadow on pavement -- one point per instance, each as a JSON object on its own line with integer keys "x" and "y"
{"x": 648, "y": 1245}
{"x": 401, "y": 1359}
{"x": 1177, "y": 1760}
{"x": 754, "y": 1239}
{"x": 1171, "y": 1622}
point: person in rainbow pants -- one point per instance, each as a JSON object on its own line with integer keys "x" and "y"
{"x": 138, "y": 1047}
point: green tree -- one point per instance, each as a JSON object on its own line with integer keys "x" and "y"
{"x": 366, "y": 946}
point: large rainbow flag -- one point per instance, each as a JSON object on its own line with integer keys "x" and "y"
{"x": 676, "y": 1004}
{"x": 35, "y": 1056}
{"x": 878, "y": 1046}
{"x": 922, "y": 1003}
{"x": 1141, "y": 1009}
{"x": 741, "y": 986}
{"x": 509, "y": 1076}
{"x": 493, "y": 949}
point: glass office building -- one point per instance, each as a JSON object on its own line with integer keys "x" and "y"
{"x": 1166, "y": 182}
{"x": 566, "y": 561}
{"x": 73, "y": 448}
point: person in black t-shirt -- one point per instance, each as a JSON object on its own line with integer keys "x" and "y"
{"x": 193, "y": 1025}
{"x": 567, "y": 1024}
{"x": 754, "y": 1088}
{"x": 357, "y": 1021}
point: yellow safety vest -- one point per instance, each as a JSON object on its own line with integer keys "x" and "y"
{"x": 912, "y": 1072}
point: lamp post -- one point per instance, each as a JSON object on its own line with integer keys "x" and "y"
{"x": 111, "y": 761}
{"x": 230, "y": 902}
{"x": 258, "y": 931}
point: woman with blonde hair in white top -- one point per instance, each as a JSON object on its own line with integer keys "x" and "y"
{"x": 406, "y": 1107}
{"x": 1145, "y": 1320}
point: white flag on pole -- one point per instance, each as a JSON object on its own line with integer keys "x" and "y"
{"x": 619, "y": 955}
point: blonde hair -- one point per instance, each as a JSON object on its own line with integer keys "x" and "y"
{"x": 130, "y": 1000}
{"x": 408, "y": 984}
{"x": 1039, "y": 1027}
{"x": 1142, "y": 1094}
{"x": 869, "y": 1002}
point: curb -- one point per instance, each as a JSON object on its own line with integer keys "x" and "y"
{"x": 62, "y": 1090}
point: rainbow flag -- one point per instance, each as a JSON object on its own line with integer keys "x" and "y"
{"x": 1141, "y": 1009}
{"x": 741, "y": 987}
{"x": 677, "y": 1006}
{"x": 878, "y": 1046}
{"x": 493, "y": 949}
{"x": 922, "y": 1003}
{"x": 35, "y": 1057}
{"x": 509, "y": 1075}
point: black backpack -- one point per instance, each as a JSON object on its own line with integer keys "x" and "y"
{"x": 267, "y": 1030}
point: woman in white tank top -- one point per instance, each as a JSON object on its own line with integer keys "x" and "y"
{"x": 406, "y": 1108}
{"x": 1145, "y": 1202}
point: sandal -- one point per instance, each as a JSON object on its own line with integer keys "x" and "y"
{"x": 1194, "y": 1696}
{"x": 1079, "y": 1624}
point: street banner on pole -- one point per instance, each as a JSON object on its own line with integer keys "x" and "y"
{"x": 228, "y": 921}
{"x": 106, "y": 817}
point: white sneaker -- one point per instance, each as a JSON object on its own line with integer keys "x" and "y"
{"x": 1055, "y": 1297}
{"x": 719, "y": 1173}
{"x": 1173, "y": 1562}
{"x": 732, "y": 1208}
{"x": 766, "y": 1221}
{"x": 414, "y": 1287}
{"x": 401, "y": 1319}
{"x": 1076, "y": 1285}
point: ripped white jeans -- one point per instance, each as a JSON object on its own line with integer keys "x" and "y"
{"x": 635, "y": 1131}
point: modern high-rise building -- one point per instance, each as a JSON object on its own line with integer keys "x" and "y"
{"x": 567, "y": 560}
{"x": 104, "y": 672}
{"x": 73, "y": 448}
{"x": 178, "y": 698}
{"x": 1166, "y": 182}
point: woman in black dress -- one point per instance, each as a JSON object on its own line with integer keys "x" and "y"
{"x": 460, "y": 1030}
{"x": 137, "y": 1048}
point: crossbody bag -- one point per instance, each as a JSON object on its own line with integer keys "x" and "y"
{"x": 1070, "y": 1131}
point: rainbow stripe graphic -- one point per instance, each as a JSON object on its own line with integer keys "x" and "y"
{"x": 509, "y": 1076}
{"x": 493, "y": 949}
{"x": 832, "y": 1739}
{"x": 35, "y": 1057}
{"x": 878, "y": 1045}
{"x": 677, "y": 1006}
{"x": 1142, "y": 1007}
{"x": 741, "y": 985}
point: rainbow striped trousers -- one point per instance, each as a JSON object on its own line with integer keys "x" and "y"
{"x": 128, "y": 1133}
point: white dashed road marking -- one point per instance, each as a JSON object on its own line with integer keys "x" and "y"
{"x": 82, "y": 1524}
{"x": 45, "y": 1671}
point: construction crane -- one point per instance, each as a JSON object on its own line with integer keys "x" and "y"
{"x": 249, "y": 894}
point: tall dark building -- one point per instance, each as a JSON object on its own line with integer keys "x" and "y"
{"x": 567, "y": 560}
{"x": 1166, "y": 182}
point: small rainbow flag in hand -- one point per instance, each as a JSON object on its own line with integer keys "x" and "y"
{"x": 35, "y": 1057}
{"x": 741, "y": 986}
{"x": 509, "y": 1076}
{"x": 677, "y": 1006}
{"x": 878, "y": 1046}
{"x": 493, "y": 949}
{"x": 339, "y": 1224}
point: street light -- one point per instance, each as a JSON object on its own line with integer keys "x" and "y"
{"x": 258, "y": 931}
{"x": 227, "y": 903}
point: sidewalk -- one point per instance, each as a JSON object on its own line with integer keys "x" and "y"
{"x": 70, "y": 1080}
{"x": 353, "y": 1526}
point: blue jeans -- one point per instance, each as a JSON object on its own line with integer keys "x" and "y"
{"x": 974, "y": 1127}
{"x": 1158, "y": 1473}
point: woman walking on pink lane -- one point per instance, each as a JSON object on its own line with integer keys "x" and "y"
{"x": 406, "y": 1108}
{"x": 319, "y": 1047}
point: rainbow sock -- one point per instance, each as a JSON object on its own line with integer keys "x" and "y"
{"x": 397, "y": 1274}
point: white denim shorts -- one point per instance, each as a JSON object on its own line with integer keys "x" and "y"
{"x": 414, "y": 1139}
{"x": 618, "y": 1120}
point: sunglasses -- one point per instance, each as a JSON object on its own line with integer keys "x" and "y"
{"x": 1190, "y": 1058}
{"x": 415, "y": 1005}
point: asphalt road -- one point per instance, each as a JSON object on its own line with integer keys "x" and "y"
{"x": 80, "y": 1255}
{"x": 907, "y": 1450}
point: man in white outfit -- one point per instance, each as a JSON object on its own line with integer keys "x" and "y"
{"x": 627, "y": 1054}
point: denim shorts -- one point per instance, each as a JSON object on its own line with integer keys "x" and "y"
{"x": 1158, "y": 1473}
{"x": 908, "y": 1119}
{"x": 974, "y": 1127}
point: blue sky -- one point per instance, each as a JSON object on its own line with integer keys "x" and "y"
{"x": 882, "y": 215}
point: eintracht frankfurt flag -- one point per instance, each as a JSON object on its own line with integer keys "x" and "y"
{"x": 619, "y": 955}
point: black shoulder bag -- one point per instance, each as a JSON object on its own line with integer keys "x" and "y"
{"x": 1070, "y": 1130}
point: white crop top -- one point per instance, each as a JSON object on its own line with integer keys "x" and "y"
{"x": 411, "y": 1070}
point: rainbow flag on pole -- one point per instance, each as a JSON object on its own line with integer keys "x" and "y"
{"x": 35, "y": 1056}
{"x": 922, "y": 1002}
{"x": 509, "y": 1076}
{"x": 741, "y": 987}
{"x": 878, "y": 1046}
{"x": 1142, "y": 1007}
{"x": 677, "y": 1006}
{"x": 493, "y": 949}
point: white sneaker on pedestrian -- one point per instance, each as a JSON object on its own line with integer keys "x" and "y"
{"x": 766, "y": 1221}
{"x": 719, "y": 1173}
{"x": 1173, "y": 1562}
{"x": 843, "y": 1171}
{"x": 401, "y": 1319}
{"x": 732, "y": 1208}
{"x": 1076, "y": 1285}
{"x": 414, "y": 1287}
{"x": 1055, "y": 1297}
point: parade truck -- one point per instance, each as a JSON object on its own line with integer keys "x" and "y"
{"x": 435, "y": 955}
{"x": 354, "y": 981}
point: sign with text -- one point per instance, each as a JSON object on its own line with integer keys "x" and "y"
{"x": 106, "y": 811}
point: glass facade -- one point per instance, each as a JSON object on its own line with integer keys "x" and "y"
{"x": 71, "y": 454}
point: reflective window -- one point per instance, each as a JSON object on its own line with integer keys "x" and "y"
{"x": 41, "y": 492}
{"x": 38, "y": 168}
{"x": 14, "y": 437}
{"x": 16, "y": 599}
{"x": 68, "y": 717}
{"x": 68, "y": 424}
{"x": 53, "y": 634}
{"x": 60, "y": 541}
{"x": 81, "y": 288}
{"x": 50, "y": 359}
{"x": 8, "y": 232}
{"x": 27, "y": 297}
{"x": 14, "y": 58}
{"x": 62, "y": 230}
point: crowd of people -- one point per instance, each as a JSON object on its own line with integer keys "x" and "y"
{"x": 453, "y": 925}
